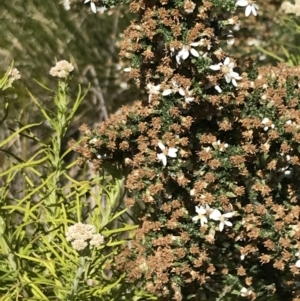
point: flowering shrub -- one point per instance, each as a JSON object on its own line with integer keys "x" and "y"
{"x": 59, "y": 228}
{"x": 211, "y": 152}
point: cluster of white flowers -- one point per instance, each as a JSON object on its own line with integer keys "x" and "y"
{"x": 251, "y": 6}
{"x": 227, "y": 69}
{"x": 14, "y": 74}
{"x": 170, "y": 152}
{"x": 80, "y": 235}
{"x": 62, "y": 69}
{"x": 203, "y": 213}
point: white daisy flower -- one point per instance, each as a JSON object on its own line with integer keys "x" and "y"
{"x": 216, "y": 215}
{"x": 201, "y": 211}
{"x": 251, "y": 6}
{"x": 153, "y": 90}
{"x": 227, "y": 70}
{"x": 185, "y": 52}
{"x": 187, "y": 95}
{"x": 170, "y": 152}
{"x": 174, "y": 89}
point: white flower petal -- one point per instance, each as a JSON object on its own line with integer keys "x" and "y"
{"x": 195, "y": 218}
{"x": 227, "y": 78}
{"x": 231, "y": 65}
{"x": 235, "y": 75}
{"x": 203, "y": 221}
{"x": 184, "y": 53}
{"x": 229, "y": 214}
{"x": 218, "y": 89}
{"x": 93, "y": 7}
{"x": 254, "y": 10}
{"x": 227, "y": 61}
{"x": 221, "y": 226}
{"x": 215, "y": 67}
{"x": 86, "y": 1}
{"x": 228, "y": 223}
{"x": 161, "y": 146}
{"x": 172, "y": 152}
{"x": 189, "y": 99}
{"x": 181, "y": 92}
{"x": 166, "y": 92}
{"x": 248, "y": 10}
{"x": 215, "y": 215}
{"x": 242, "y": 3}
{"x": 297, "y": 264}
{"x": 153, "y": 89}
{"x": 194, "y": 52}
{"x": 200, "y": 210}
{"x": 162, "y": 158}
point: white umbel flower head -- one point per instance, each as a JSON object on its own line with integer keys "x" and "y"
{"x": 216, "y": 215}
{"x": 79, "y": 244}
{"x": 92, "y": 4}
{"x": 201, "y": 211}
{"x": 62, "y": 69}
{"x": 227, "y": 70}
{"x": 97, "y": 240}
{"x": 297, "y": 264}
{"x": 170, "y": 152}
{"x": 14, "y": 74}
{"x": 251, "y": 6}
{"x": 80, "y": 231}
{"x": 81, "y": 235}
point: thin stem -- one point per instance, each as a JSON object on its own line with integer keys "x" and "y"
{"x": 77, "y": 278}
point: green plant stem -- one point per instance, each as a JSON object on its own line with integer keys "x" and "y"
{"x": 77, "y": 278}
{"x": 61, "y": 101}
